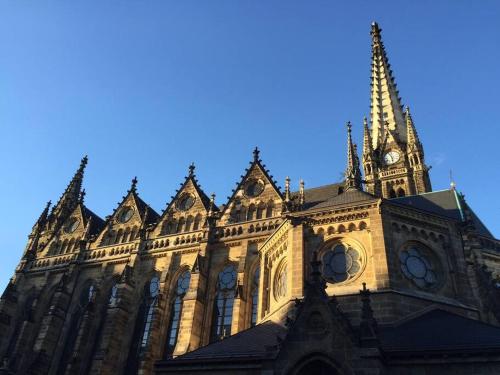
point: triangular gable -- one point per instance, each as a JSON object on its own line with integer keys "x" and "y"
{"x": 189, "y": 201}
{"x": 257, "y": 185}
{"x": 131, "y": 214}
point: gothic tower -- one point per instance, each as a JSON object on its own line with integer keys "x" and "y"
{"x": 393, "y": 157}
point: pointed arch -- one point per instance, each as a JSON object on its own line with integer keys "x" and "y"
{"x": 189, "y": 223}
{"x": 180, "y": 225}
{"x": 251, "y": 212}
{"x": 401, "y": 192}
{"x": 392, "y": 193}
{"x": 71, "y": 245}
{"x": 181, "y": 288}
{"x": 63, "y": 246}
{"x": 270, "y": 209}
{"x": 260, "y": 210}
{"x": 119, "y": 236}
{"x": 197, "y": 222}
{"x": 254, "y": 296}
{"x": 222, "y": 314}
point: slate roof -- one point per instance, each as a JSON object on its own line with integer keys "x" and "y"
{"x": 260, "y": 341}
{"x": 141, "y": 206}
{"x": 442, "y": 331}
{"x": 320, "y": 194}
{"x": 96, "y": 224}
{"x": 445, "y": 203}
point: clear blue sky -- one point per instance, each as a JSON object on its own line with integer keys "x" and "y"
{"x": 146, "y": 87}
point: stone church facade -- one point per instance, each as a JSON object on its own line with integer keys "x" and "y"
{"x": 376, "y": 274}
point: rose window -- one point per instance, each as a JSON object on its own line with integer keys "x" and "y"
{"x": 417, "y": 268}
{"x": 341, "y": 263}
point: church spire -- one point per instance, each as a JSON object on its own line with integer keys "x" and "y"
{"x": 71, "y": 195}
{"x": 352, "y": 173}
{"x": 367, "y": 140}
{"x": 386, "y": 110}
{"x": 411, "y": 135}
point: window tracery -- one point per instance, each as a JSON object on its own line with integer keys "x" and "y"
{"x": 223, "y": 304}
{"x": 342, "y": 262}
{"x": 176, "y": 311}
{"x": 255, "y": 296}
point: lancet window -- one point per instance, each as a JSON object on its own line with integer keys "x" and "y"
{"x": 223, "y": 304}
{"x": 176, "y": 311}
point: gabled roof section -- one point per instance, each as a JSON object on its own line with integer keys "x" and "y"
{"x": 146, "y": 214}
{"x": 448, "y": 203}
{"x": 440, "y": 331}
{"x": 256, "y": 169}
{"x": 320, "y": 194}
{"x": 190, "y": 184}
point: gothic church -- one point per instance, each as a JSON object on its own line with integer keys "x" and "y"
{"x": 376, "y": 274}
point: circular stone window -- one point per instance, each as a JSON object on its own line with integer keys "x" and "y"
{"x": 126, "y": 214}
{"x": 72, "y": 225}
{"x": 185, "y": 202}
{"x": 341, "y": 262}
{"x": 227, "y": 278}
{"x": 254, "y": 188}
{"x": 417, "y": 267}
{"x": 280, "y": 282}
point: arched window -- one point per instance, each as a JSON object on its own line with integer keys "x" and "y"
{"x": 119, "y": 236}
{"x": 223, "y": 304}
{"x": 401, "y": 192}
{"x": 143, "y": 324}
{"x": 86, "y": 297}
{"x": 63, "y": 247}
{"x": 269, "y": 209}
{"x": 392, "y": 193}
{"x": 126, "y": 235}
{"x": 197, "y": 222}
{"x": 189, "y": 223}
{"x": 251, "y": 212}
{"x": 70, "y": 247}
{"x": 176, "y": 311}
{"x": 260, "y": 210}
{"x": 255, "y": 296}
{"x": 180, "y": 225}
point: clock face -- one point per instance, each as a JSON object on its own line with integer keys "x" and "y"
{"x": 391, "y": 157}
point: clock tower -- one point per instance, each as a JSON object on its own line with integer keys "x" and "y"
{"x": 393, "y": 157}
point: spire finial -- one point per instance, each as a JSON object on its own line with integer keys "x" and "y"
{"x": 352, "y": 173}
{"x": 133, "y": 186}
{"x": 302, "y": 196}
{"x": 212, "y": 204}
{"x": 256, "y": 154}
{"x": 287, "y": 189}
{"x": 84, "y": 162}
{"x": 367, "y": 140}
{"x": 453, "y": 185}
{"x": 192, "y": 167}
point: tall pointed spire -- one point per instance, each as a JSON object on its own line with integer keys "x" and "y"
{"x": 386, "y": 109}
{"x": 412, "y": 136}
{"x": 367, "y": 140}
{"x": 352, "y": 173}
{"x": 71, "y": 195}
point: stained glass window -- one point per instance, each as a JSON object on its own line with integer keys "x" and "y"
{"x": 255, "y": 296}
{"x": 223, "y": 304}
{"x": 341, "y": 262}
{"x": 176, "y": 311}
{"x": 280, "y": 281}
{"x": 417, "y": 267}
{"x": 154, "y": 290}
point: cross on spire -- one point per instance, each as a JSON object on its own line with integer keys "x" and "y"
{"x": 133, "y": 185}
{"x": 192, "y": 167}
{"x": 256, "y": 154}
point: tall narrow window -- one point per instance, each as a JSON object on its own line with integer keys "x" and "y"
{"x": 143, "y": 324}
{"x": 223, "y": 304}
{"x": 154, "y": 290}
{"x": 86, "y": 297}
{"x": 255, "y": 296}
{"x": 176, "y": 311}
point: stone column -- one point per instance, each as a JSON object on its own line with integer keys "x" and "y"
{"x": 295, "y": 277}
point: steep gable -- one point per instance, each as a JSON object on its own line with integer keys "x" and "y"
{"x": 256, "y": 195}
{"x": 127, "y": 219}
{"x": 188, "y": 210}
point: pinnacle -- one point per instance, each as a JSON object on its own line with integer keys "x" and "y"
{"x": 133, "y": 186}
{"x": 192, "y": 167}
{"x": 256, "y": 153}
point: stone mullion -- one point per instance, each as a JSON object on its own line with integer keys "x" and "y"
{"x": 48, "y": 337}
{"x": 116, "y": 331}
{"x": 192, "y": 316}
